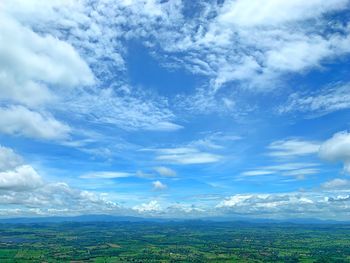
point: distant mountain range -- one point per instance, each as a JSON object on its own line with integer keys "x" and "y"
{"x": 82, "y": 218}
{"x": 109, "y": 218}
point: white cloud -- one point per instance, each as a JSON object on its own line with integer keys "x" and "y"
{"x": 30, "y": 62}
{"x": 322, "y": 102}
{"x": 257, "y": 172}
{"x": 186, "y": 156}
{"x": 291, "y": 166}
{"x": 298, "y": 170}
{"x": 203, "y": 101}
{"x": 321, "y": 205}
{"x": 9, "y": 159}
{"x": 186, "y": 210}
{"x": 208, "y": 41}
{"x": 256, "y": 13}
{"x": 292, "y": 148}
{"x": 336, "y": 184}
{"x": 337, "y": 149}
{"x": 20, "y": 178}
{"x": 215, "y": 141}
{"x": 266, "y": 45}
{"x": 57, "y": 199}
{"x": 165, "y": 171}
{"x": 158, "y": 185}
{"x": 222, "y": 41}
{"x": 18, "y": 120}
{"x": 14, "y": 174}
{"x": 142, "y": 174}
{"x": 24, "y": 190}
{"x": 299, "y": 54}
{"x": 152, "y": 206}
{"x": 128, "y": 111}
{"x": 105, "y": 175}
{"x": 301, "y": 173}
{"x": 171, "y": 210}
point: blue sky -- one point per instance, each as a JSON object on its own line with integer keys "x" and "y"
{"x": 175, "y": 108}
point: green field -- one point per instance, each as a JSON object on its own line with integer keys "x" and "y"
{"x": 192, "y": 241}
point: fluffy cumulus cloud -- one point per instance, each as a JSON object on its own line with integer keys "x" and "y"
{"x": 275, "y": 40}
{"x": 152, "y": 206}
{"x": 51, "y": 59}
{"x": 336, "y": 184}
{"x": 337, "y": 149}
{"x": 56, "y": 199}
{"x": 30, "y": 62}
{"x": 36, "y": 69}
{"x": 23, "y": 177}
{"x": 288, "y": 205}
{"x": 328, "y": 203}
{"x": 14, "y": 174}
{"x": 171, "y": 210}
{"x": 158, "y": 185}
{"x": 61, "y": 44}
{"x": 220, "y": 40}
{"x": 19, "y": 120}
{"x": 24, "y": 191}
{"x": 9, "y": 159}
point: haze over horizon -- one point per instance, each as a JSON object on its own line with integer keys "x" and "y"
{"x": 186, "y": 109}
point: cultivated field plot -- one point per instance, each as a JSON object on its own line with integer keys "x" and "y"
{"x": 192, "y": 241}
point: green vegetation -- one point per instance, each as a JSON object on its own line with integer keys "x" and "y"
{"x": 192, "y": 241}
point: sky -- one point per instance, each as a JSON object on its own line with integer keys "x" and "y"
{"x": 175, "y": 109}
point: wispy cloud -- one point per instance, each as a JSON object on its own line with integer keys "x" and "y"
{"x": 186, "y": 156}
{"x": 105, "y": 175}
{"x": 318, "y": 103}
{"x": 257, "y": 172}
{"x": 297, "y": 170}
{"x": 301, "y": 173}
{"x": 292, "y": 148}
{"x": 165, "y": 171}
{"x": 214, "y": 141}
{"x": 129, "y": 111}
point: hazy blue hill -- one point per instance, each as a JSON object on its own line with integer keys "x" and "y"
{"x": 83, "y": 218}
{"x": 109, "y": 218}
